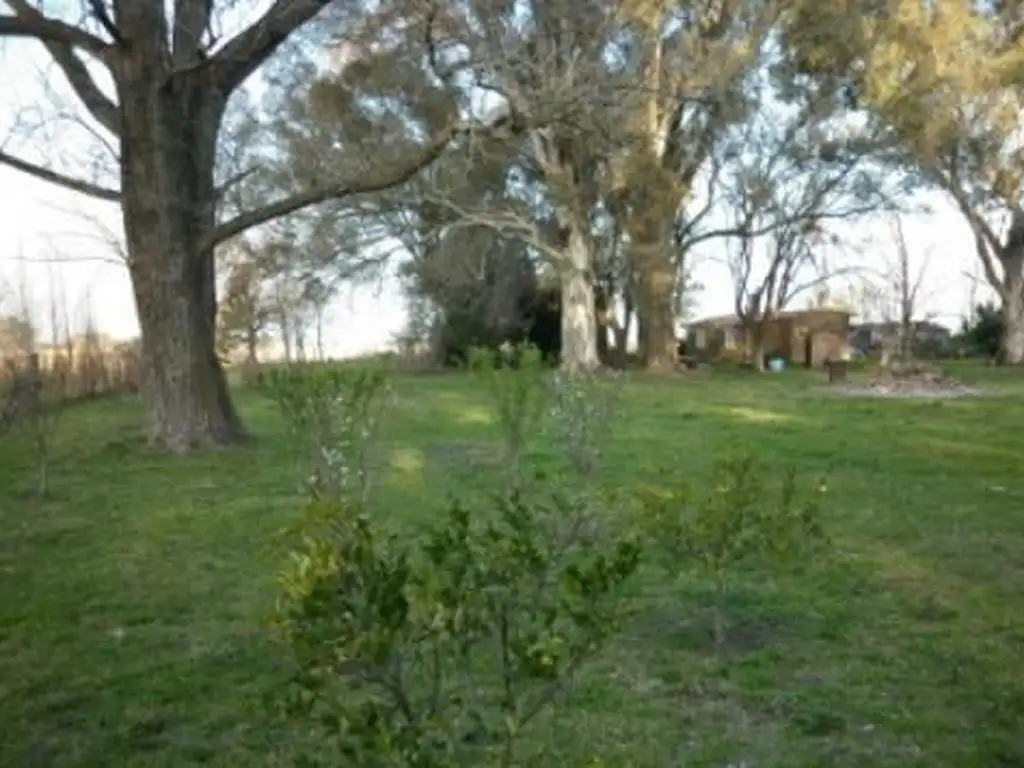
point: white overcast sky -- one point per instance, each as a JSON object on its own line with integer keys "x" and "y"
{"x": 40, "y": 223}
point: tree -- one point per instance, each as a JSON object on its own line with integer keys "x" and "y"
{"x": 317, "y": 295}
{"x": 943, "y": 80}
{"x": 244, "y": 307}
{"x": 548, "y": 73}
{"x": 694, "y": 63}
{"x": 18, "y": 331}
{"x": 17, "y": 336}
{"x": 484, "y": 290}
{"x": 172, "y": 79}
{"x": 983, "y": 330}
{"x": 899, "y": 291}
{"x": 785, "y": 181}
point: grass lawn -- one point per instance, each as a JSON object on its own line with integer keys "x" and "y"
{"x": 133, "y": 603}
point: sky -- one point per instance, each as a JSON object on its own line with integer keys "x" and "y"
{"x": 55, "y": 239}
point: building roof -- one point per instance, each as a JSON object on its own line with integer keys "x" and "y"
{"x": 723, "y": 320}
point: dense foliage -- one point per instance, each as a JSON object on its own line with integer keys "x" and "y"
{"x": 982, "y": 333}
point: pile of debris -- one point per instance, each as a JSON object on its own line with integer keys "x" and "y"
{"x": 911, "y": 380}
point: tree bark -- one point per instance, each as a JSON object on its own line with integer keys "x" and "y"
{"x": 755, "y": 332}
{"x": 656, "y": 280}
{"x": 603, "y": 309}
{"x": 168, "y": 142}
{"x": 622, "y": 338}
{"x": 579, "y": 317}
{"x": 1011, "y": 348}
{"x": 171, "y": 93}
{"x": 906, "y": 340}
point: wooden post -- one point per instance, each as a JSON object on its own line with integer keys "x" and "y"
{"x": 836, "y": 371}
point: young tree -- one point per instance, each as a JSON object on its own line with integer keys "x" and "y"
{"x": 317, "y": 295}
{"x": 900, "y": 290}
{"x": 172, "y": 78}
{"x": 17, "y": 336}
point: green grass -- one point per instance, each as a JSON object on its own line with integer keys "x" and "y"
{"x": 133, "y": 602}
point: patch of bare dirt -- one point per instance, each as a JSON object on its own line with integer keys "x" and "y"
{"x": 910, "y": 380}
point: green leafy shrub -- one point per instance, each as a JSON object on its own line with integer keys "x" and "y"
{"x": 741, "y": 518}
{"x": 439, "y": 650}
{"x": 581, "y": 417}
{"x": 515, "y": 379}
{"x": 335, "y": 411}
{"x": 982, "y": 332}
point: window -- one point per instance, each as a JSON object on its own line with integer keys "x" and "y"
{"x": 730, "y": 338}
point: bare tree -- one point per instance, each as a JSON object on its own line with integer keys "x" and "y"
{"x": 767, "y": 279}
{"x": 39, "y": 377}
{"x": 172, "y": 76}
{"x": 907, "y": 286}
{"x": 784, "y": 182}
{"x": 896, "y": 291}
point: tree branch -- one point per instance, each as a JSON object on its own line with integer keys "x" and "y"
{"x": 245, "y": 52}
{"x": 795, "y": 290}
{"x": 191, "y": 20}
{"x": 745, "y": 230}
{"x": 99, "y": 106}
{"x": 986, "y": 241}
{"x": 28, "y": 22}
{"x": 102, "y": 15}
{"x": 76, "y": 185}
{"x": 507, "y": 224}
{"x": 396, "y": 175}
{"x": 984, "y": 250}
{"x": 61, "y": 43}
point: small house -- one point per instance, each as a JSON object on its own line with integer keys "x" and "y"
{"x": 807, "y": 337}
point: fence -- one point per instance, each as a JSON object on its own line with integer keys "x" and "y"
{"x": 75, "y": 372}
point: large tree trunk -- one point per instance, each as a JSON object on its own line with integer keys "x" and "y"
{"x": 167, "y": 164}
{"x": 656, "y": 280}
{"x": 579, "y": 317}
{"x": 1011, "y": 347}
{"x": 603, "y": 307}
{"x": 757, "y": 351}
{"x": 622, "y": 337}
{"x": 906, "y": 339}
{"x": 754, "y": 343}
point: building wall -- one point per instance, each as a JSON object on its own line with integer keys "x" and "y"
{"x": 830, "y": 320}
{"x": 826, "y": 346}
{"x": 821, "y": 332}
